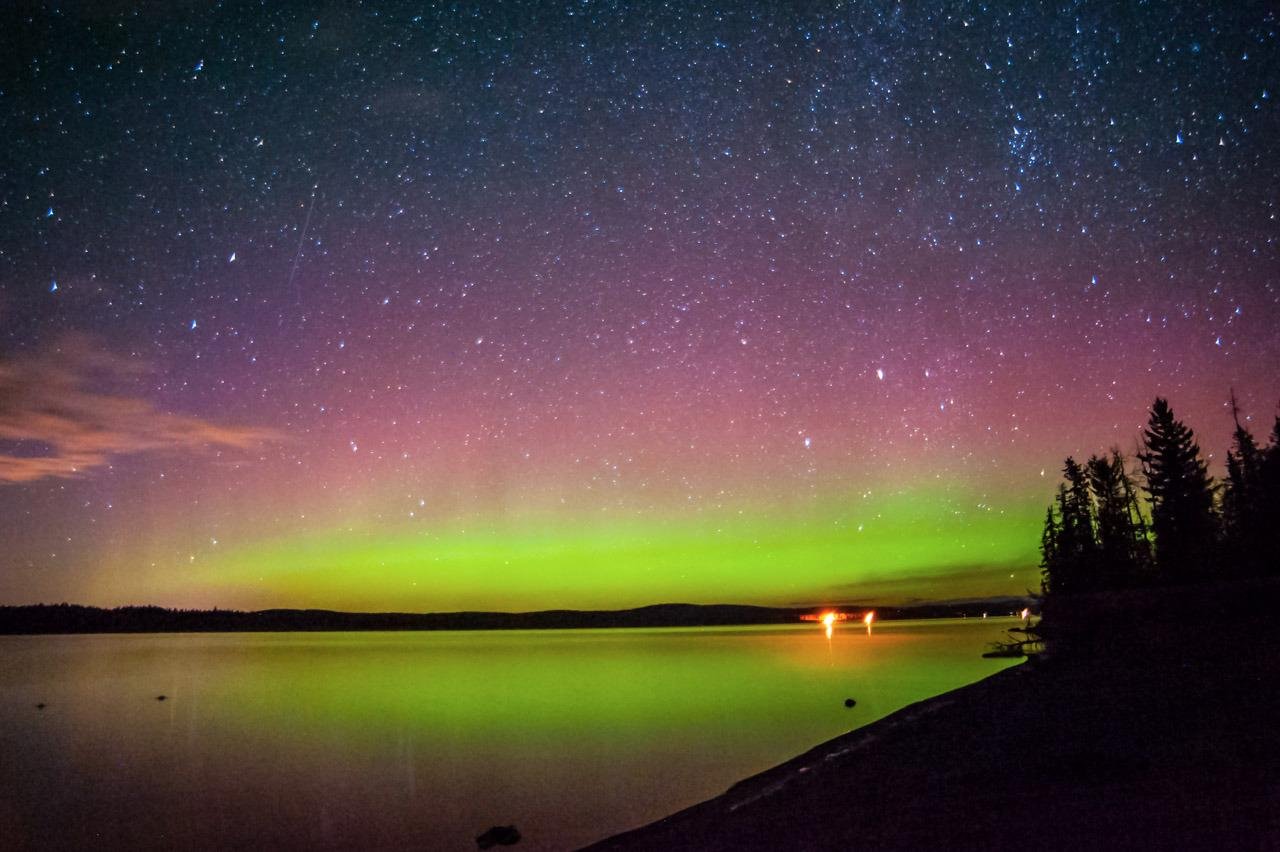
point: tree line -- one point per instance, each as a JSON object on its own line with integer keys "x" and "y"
{"x": 1164, "y": 520}
{"x": 74, "y": 618}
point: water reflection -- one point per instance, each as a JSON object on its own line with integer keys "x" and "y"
{"x": 338, "y": 740}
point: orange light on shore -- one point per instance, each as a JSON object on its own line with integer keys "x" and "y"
{"x": 868, "y": 618}
{"x": 831, "y": 615}
{"x": 827, "y": 619}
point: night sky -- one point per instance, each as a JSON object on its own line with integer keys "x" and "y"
{"x": 526, "y": 305}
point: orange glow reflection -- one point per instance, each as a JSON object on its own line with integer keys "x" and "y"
{"x": 868, "y": 618}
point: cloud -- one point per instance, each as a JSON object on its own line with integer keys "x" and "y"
{"x": 60, "y": 417}
{"x": 949, "y": 582}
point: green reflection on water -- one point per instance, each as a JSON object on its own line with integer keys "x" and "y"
{"x": 334, "y": 740}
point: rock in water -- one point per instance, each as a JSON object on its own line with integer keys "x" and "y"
{"x": 499, "y": 835}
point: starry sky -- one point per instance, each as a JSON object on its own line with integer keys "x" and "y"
{"x": 515, "y": 305}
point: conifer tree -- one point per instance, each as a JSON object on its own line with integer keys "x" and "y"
{"x": 1120, "y": 542}
{"x": 1068, "y": 547}
{"x": 1049, "y": 553}
{"x": 1243, "y": 498}
{"x": 1268, "y": 502}
{"x": 1064, "y": 578}
{"x": 1142, "y": 556}
{"x": 1078, "y": 526}
{"x": 1181, "y": 496}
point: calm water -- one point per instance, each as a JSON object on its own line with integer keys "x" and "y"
{"x": 423, "y": 740}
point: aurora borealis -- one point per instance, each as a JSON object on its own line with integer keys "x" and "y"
{"x": 529, "y": 305}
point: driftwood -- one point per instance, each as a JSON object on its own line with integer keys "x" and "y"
{"x": 1012, "y": 646}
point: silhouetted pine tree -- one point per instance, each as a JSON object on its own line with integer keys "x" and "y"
{"x": 1143, "y": 557}
{"x": 1268, "y": 512}
{"x": 1049, "y": 553}
{"x": 1122, "y": 549}
{"x": 1243, "y": 499}
{"x": 1181, "y": 495}
{"x": 1069, "y": 548}
{"x": 1078, "y": 517}
{"x": 1058, "y": 548}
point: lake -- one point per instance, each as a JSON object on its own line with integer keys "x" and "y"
{"x": 422, "y": 740}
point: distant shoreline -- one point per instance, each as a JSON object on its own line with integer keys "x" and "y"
{"x": 41, "y": 619}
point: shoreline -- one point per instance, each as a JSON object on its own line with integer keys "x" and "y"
{"x": 56, "y": 619}
{"x": 826, "y": 761}
{"x": 1154, "y": 738}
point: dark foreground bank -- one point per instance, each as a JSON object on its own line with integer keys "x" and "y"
{"x": 1153, "y": 725}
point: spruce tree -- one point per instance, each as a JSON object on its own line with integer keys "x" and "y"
{"x": 1119, "y": 540}
{"x": 1077, "y": 516}
{"x": 1268, "y": 502}
{"x": 1064, "y": 563}
{"x": 1141, "y": 556}
{"x": 1067, "y": 545}
{"x": 1049, "y": 553}
{"x": 1243, "y": 499}
{"x": 1181, "y": 495}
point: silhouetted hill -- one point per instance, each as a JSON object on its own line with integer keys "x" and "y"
{"x": 73, "y": 618}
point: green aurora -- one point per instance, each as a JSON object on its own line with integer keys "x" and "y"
{"x": 908, "y": 542}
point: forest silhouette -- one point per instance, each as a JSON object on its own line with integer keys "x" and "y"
{"x": 1166, "y": 522}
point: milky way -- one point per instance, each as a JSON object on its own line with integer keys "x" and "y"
{"x": 513, "y": 305}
